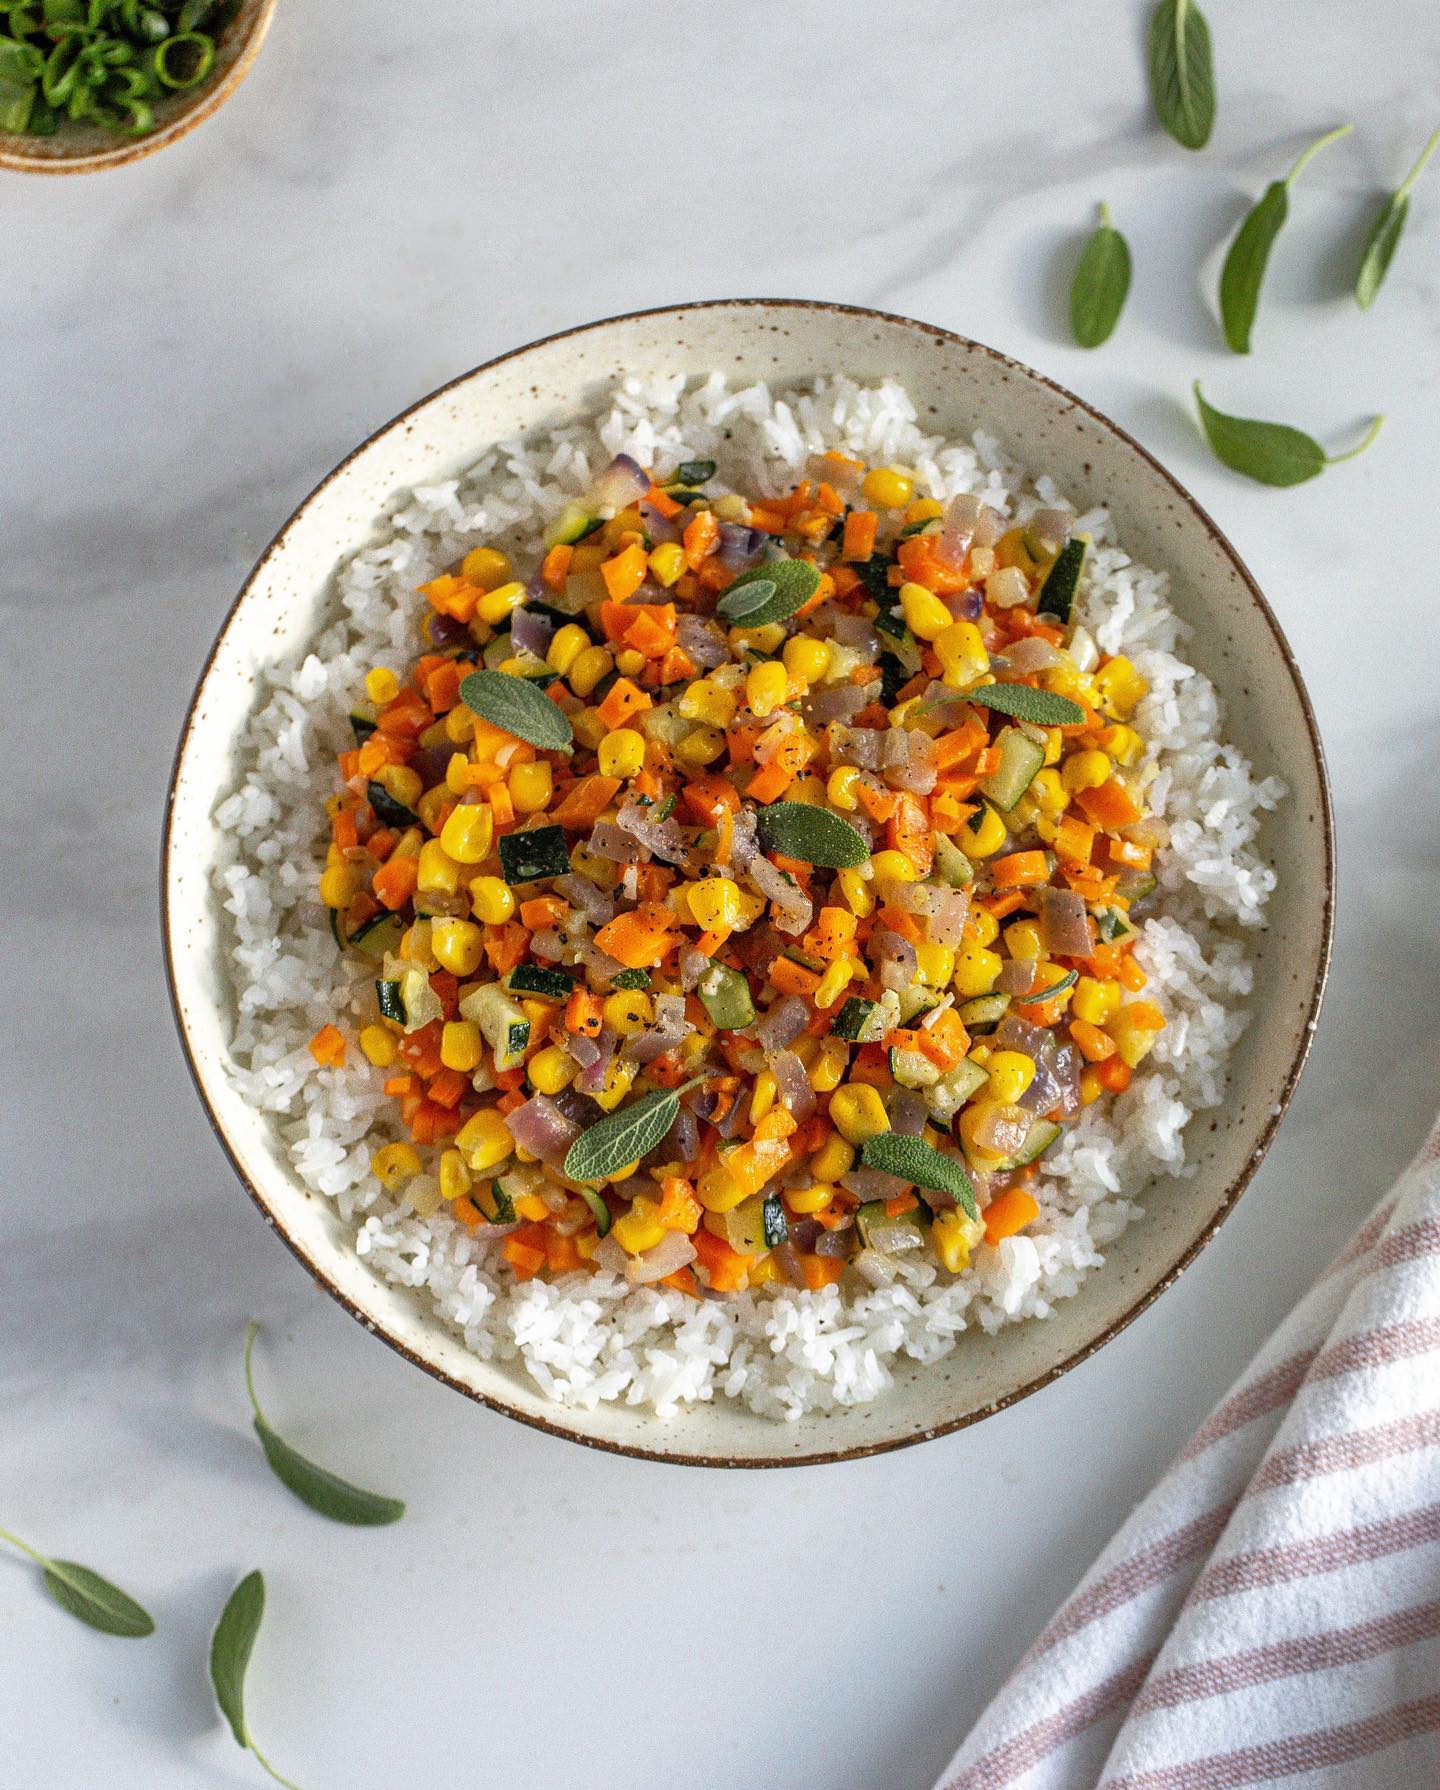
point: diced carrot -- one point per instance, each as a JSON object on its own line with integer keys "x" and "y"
{"x": 858, "y": 538}
{"x": 584, "y": 801}
{"x": 701, "y": 538}
{"x": 998, "y": 906}
{"x": 1114, "y": 1075}
{"x": 1110, "y": 806}
{"x": 625, "y": 699}
{"x": 1020, "y": 870}
{"x": 502, "y": 804}
{"x": 525, "y": 1258}
{"x": 467, "y": 1212}
{"x": 709, "y": 798}
{"x": 787, "y": 975}
{"x": 909, "y": 831}
{"x": 505, "y": 946}
{"x": 1009, "y": 1212}
{"x": 446, "y": 1088}
{"x": 899, "y": 1204}
{"x": 877, "y": 801}
{"x": 821, "y": 1270}
{"x": 1129, "y": 974}
{"x": 555, "y": 567}
{"x": 770, "y": 782}
{"x": 624, "y": 572}
{"x": 661, "y": 500}
{"x": 328, "y": 1047}
{"x": 920, "y": 563}
{"x": 442, "y": 687}
{"x": 583, "y": 1014}
{"x": 542, "y": 911}
{"x": 394, "y": 882}
{"x": 345, "y": 829}
{"x": 727, "y": 1269}
{"x": 1093, "y": 1044}
{"x": 640, "y": 939}
{"x": 1074, "y": 841}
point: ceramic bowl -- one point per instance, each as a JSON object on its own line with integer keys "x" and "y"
{"x": 958, "y": 385}
{"x": 82, "y": 148}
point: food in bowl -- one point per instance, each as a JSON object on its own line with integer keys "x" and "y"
{"x": 739, "y": 891}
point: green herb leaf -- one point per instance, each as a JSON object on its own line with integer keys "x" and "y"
{"x": 1385, "y": 232}
{"x": 314, "y": 1485}
{"x": 1270, "y": 453}
{"x": 813, "y": 835}
{"x": 624, "y": 1135}
{"x": 88, "y": 1596}
{"x": 1042, "y": 995}
{"x": 1043, "y": 708}
{"x": 793, "y": 582}
{"x": 1182, "y": 72}
{"x": 1243, "y": 274}
{"x": 913, "y": 1160}
{"x": 517, "y": 707}
{"x": 230, "y": 1650}
{"x": 1099, "y": 285}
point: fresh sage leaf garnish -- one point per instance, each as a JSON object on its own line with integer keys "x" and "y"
{"x": 1043, "y": 708}
{"x": 625, "y": 1135}
{"x": 1100, "y": 283}
{"x": 813, "y": 835}
{"x": 230, "y": 1648}
{"x": 88, "y": 1596}
{"x": 314, "y": 1485}
{"x": 793, "y": 582}
{"x": 1243, "y": 274}
{"x": 1385, "y": 232}
{"x": 1271, "y": 453}
{"x": 913, "y": 1160}
{"x": 517, "y": 707}
{"x": 1182, "y": 72}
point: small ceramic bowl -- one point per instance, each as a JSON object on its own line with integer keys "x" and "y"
{"x": 82, "y": 148}
{"x": 958, "y": 386}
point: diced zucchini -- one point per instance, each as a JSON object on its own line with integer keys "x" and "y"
{"x": 985, "y": 1012}
{"x": 1038, "y": 1139}
{"x": 387, "y": 997}
{"x": 849, "y": 1022}
{"x": 913, "y": 1069}
{"x": 630, "y": 979}
{"x": 1111, "y": 924}
{"x": 380, "y": 934}
{"x": 1020, "y": 758}
{"x": 393, "y": 813}
{"x": 502, "y": 1023}
{"x": 595, "y": 1200}
{"x": 951, "y": 1092}
{"x": 418, "y": 1000}
{"x": 532, "y": 978}
{"x": 1135, "y": 885}
{"x": 749, "y": 1228}
{"x": 1057, "y": 593}
{"x": 503, "y": 1211}
{"x": 332, "y": 914}
{"x": 362, "y": 721}
{"x": 537, "y": 852}
{"x": 572, "y": 524}
{"x": 694, "y": 472}
{"x": 777, "y": 1231}
{"x": 873, "y": 1212}
{"x": 725, "y": 995}
{"x": 951, "y": 864}
{"x": 918, "y": 998}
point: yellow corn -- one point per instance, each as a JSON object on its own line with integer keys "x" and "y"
{"x": 1011, "y": 1072}
{"x": 461, "y": 1046}
{"x": 893, "y": 866}
{"x": 566, "y": 647}
{"x": 551, "y": 1069}
{"x": 766, "y": 687}
{"x": 340, "y": 884}
{"x": 469, "y": 833}
{"x": 622, "y": 753}
{"x": 491, "y": 900}
{"x": 458, "y": 944}
{"x": 628, "y": 1011}
{"x": 807, "y": 658}
{"x": 715, "y": 903}
{"x": 982, "y": 928}
{"x": 763, "y": 1098}
{"x": 667, "y": 562}
{"x": 1085, "y": 770}
{"x": 588, "y": 668}
{"x": 701, "y": 746}
{"x": 439, "y": 874}
{"x": 531, "y": 786}
{"x": 394, "y": 1164}
{"x": 1119, "y": 687}
{"x": 887, "y": 488}
{"x": 840, "y": 789}
{"x": 833, "y": 984}
{"x": 379, "y": 1045}
{"x": 858, "y": 1112}
{"x": 454, "y": 1176}
{"x": 709, "y": 702}
{"x": 927, "y": 615}
{"x": 1022, "y": 939}
{"x": 1049, "y": 793}
{"x": 934, "y": 964}
{"x": 485, "y": 566}
{"x": 1096, "y": 1001}
{"x": 983, "y": 834}
{"x": 640, "y": 1228}
{"x": 856, "y": 891}
{"x": 961, "y": 651}
{"x": 616, "y": 1086}
{"x": 831, "y": 1061}
{"x": 834, "y": 1158}
{"x": 484, "y": 1140}
{"x": 976, "y": 971}
{"x": 382, "y": 685}
{"x": 402, "y": 783}
{"x": 806, "y": 1200}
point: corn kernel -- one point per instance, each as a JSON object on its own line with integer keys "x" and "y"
{"x": 832, "y": 985}
{"x": 806, "y": 658}
{"x": 1050, "y": 794}
{"x": 566, "y": 647}
{"x": 469, "y": 832}
{"x": 834, "y": 1158}
{"x": 640, "y": 1228}
{"x": 805, "y": 1200}
{"x": 439, "y": 874}
{"x": 927, "y": 615}
{"x": 840, "y": 790}
{"x": 858, "y": 1112}
{"x": 893, "y": 866}
{"x": 1091, "y": 1086}
{"x": 484, "y": 1140}
{"x": 551, "y": 1069}
{"x": 701, "y": 746}
{"x": 828, "y": 1070}
{"x": 628, "y": 1011}
{"x": 718, "y": 1190}
{"x": 976, "y": 971}
{"x": 856, "y": 891}
{"x": 1134, "y": 1029}
{"x": 954, "y": 1236}
{"x": 340, "y": 884}
{"x": 707, "y": 701}
{"x": 1119, "y": 687}
{"x": 763, "y": 1097}
{"x": 394, "y": 1164}
{"x": 983, "y": 834}
{"x": 982, "y": 928}
{"x": 382, "y": 685}
{"x": 461, "y": 1046}
{"x": 531, "y": 786}
{"x": 496, "y": 605}
{"x": 491, "y": 900}
{"x": 622, "y": 753}
{"x": 589, "y": 728}
{"x": 379, "y": 1045}
{"x": 766, "y": 687}
{"x": 1023, "y": 940}
{"x": 459, "y": 945}
{"x": 454, "y": 1176}
{"x": 887, "y": 488}
{"x": 1095, "y": 1000}
{"x": 934, "y": 964}
{"x": 616, "y": 1084}
{"x": 588, "y": 668}
{"x": 715, "y": 903}
{"x": 667, "y": 562}
{"x": 1085, "y": 770}
{"x": 765, "y": 640}
{"x": 485, "y": 566}
{"x": 963, "y": 657}
{"x": 1011, "y": 1072}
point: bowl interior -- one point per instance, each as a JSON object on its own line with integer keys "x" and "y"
{"x": 958, "y": 386}
{"x": 82, "y": 147}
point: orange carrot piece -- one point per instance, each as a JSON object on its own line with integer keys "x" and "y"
{"x": 555, "y": 567}
{"x": 328, "y": 1047}
{"x": 585, "y": 801}
{"x": 1020, "y": 870}
{"x": 1110, "y": 806}
{"x": 624, "y": 572}
{"x": 394, "y": 882}
{"x": 701, "y": 538}
{"x": 858, "y": 539}
{"x": 625, "y": 699}
{"x": 1009, "y": 1212}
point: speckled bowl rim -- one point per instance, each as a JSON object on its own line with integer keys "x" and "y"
{"x": 208, "y": 100}
{"x": 677, "y": 1457}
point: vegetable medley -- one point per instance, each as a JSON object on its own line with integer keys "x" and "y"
{"x": 751, "y": 893}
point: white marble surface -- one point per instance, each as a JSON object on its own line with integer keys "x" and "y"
{"x": 396, "y": 195}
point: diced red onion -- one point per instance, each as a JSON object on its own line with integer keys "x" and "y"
{"x": 989, "y": 526}
{"x": 1001, "y": 1129}
{"x": 622, "y": 483}
{"x": 609, "y": 1253}
{"x": 596, "y": 905}
{"x": 1064, "y": 923}
{"x": 793, "y": 908}
{"x": 859, "y": 746}
{"x": 664, "y": 531}
{"x": 875, "y": 1269}
{"x": 740, "y": 546}
{"x": 908, "y": 760}
{"x": 836, "y": 702}
{"x": 893, "y": 1236}
{"x": 429, "y": 764}
{"x": 1014, "y": 1033}
{"x": 540, "y": 1127}
{"x": 669, "y": 1029}
{"x": 793, "y": 1083}
{"x": 803, "y": 1234}
{"x": 446, "y": 631}
{"x": 584, "y": 1050}
{"x": 1031, "y": 654}
{"x": 873, "y": 1184}
{"x": 684, "y": 1140}
{"x": 591, "y": 1079}
{"x": 949, "y": 911}
{"x": 783, "y": 1024}
{"x": 606, "y": 967}
{"x": 964, "y": 605}
{"x": 703, "y": 643}
{"x": 832, "y": 1243}
{"x": 908, "y": 1112}
{"x": 529, "y": 632}
{"x": 1019, "y": 976}
{"x": 787, "y": 1258}
{"x": 663, "y": 838}
{"x": 743, "y": 840}
{"x": 612, "y": 842}
{"x": 853, "y": 631}
{"x": 962, "y": 514}
{"x": 693, "y": 965}
{"x": 896, "y": 956}
{"x": 1049, "y": 529}
{"x": 674, "y": 1252}
{"x": 548, "y": 945}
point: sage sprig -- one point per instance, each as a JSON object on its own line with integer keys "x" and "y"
{"x": 813, "y": 835}
{"x": 792, "y": 583}
{"x": 1243, "y": 274}
{"x": 1385, "y": 232}
{"x": 1182, "y": 72}
{"x": 1099, "y": 284}
{"x": 230, "y": 1648}
{"x": 1043, "y": 708}
{"x": 88, "y": 1596}
{"x": 317, "y": 1486}
{"x": 913, "y": 1160}
{"x": 625, "y": 1135}
{"x": 516, "y": 706}
{"x": 1270, "y": 453}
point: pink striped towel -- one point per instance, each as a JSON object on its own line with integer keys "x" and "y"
{"x": 1271, "y": 1613}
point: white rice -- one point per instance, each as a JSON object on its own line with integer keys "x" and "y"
{"x": 591, "y": 1338}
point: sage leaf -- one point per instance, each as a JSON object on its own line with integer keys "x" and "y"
{"x": 1043, "y": 708}
{"x": 1270, "y": 453}
{"x": 1099, "y": 285}
{"x": 795, "y": 581}
{"x": 913, "y": 1160}
{"x": 1182, "y": 72}
{"x": 317, "y": 1486}
{"x": 89, "y": 1597}
{"x": 813, "y": 835}
{"x": 517, "y": 707}
{"x": 625, "y": 1135}
{"x": 736, "y": 605}
{"x": 230, "y": 1648}
{"x": 1243, "y": 274}
{"x": 1385, "y": 232}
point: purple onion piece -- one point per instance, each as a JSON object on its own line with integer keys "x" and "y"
{"x": 740, "y": 546}
{"x": 540, "y": 1127}
{"x": 623, "y": 482}
{"x": 1064, "y": 923}
{"x": 701, "y": 641}
{"x": 783, "y": 1024}
{"x": 591, "y": 1079}
{"x": 595, "y": 904}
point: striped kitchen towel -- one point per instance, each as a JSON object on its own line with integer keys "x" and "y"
{"x": 1271, "y": 1613}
